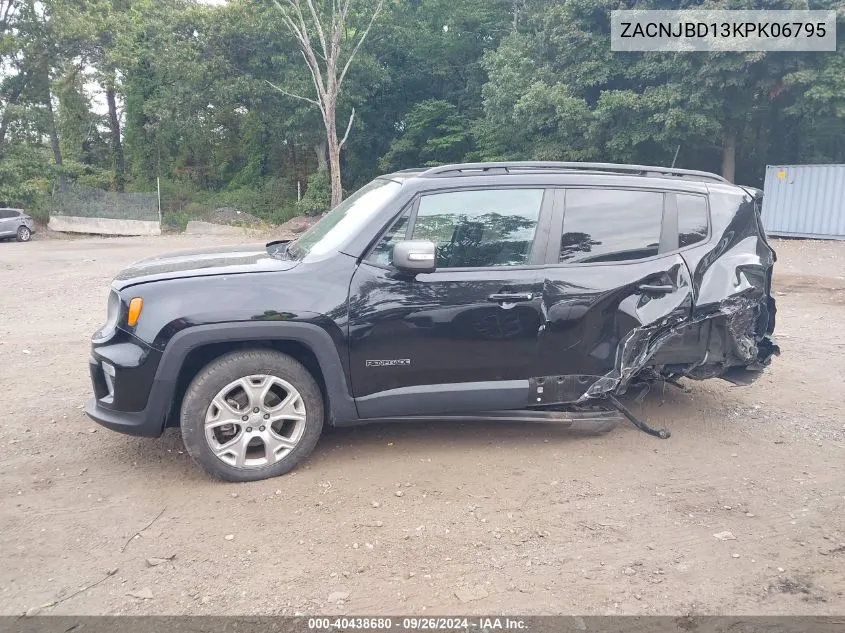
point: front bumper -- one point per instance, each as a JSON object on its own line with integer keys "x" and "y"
{"x": 144, "y": 423}
{"x": 127, "y": 396}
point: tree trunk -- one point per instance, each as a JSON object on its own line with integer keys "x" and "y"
{"x": 334, "y": 167}
{"x": 729, "y": 155}
{"x": 334, "y": 155}
{"x": 114, "y": 125}
{"x": 54, "y": 137}
{"x": 320, "y": 150}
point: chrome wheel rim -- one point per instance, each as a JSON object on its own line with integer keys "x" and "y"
{"x": 24, "y": 232}
{"x": 255, "y": 421}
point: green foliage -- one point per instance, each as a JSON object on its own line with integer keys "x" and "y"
{"x": 271, "y": 201}
{"x": 434, "y": 133}
{"x": 182, "y": 201}
{"x": 318, "y": 194}
{"x": 87, "y": 175}
{"x": 176, "y": 220}
{"x": 26, "y": 179}
{"x": 556, "y": 91}
{"x": 435, "y": 81}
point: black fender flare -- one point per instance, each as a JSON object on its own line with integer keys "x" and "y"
{"x": 341, "y": 405}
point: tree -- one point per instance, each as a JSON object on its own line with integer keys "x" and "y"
{"x": 330, "y": 33}
{"x": 434, "y": 134}
{"x": 42, "y": 51}
{"x": 557, "y": 91}
{"x": 15, "y": 79}
{"x": 108, "y": 21}
{"x": 199, "y": 94}
{"x": 421, "y": 51}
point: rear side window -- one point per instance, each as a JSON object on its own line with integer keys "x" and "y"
{"x": 8, "y": 214}
{"x": 610, "y": 225}
{"x": 692, "y": 219}
{"x": 493, "y": 227}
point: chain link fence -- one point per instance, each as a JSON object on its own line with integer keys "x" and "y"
{"x": 87, "y": 202}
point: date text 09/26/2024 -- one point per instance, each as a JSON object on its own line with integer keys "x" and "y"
{"x": 417, "y": 623}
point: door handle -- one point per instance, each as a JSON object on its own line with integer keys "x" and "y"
{"x": 657, "y": 288}
{"x": 511, "y": 297}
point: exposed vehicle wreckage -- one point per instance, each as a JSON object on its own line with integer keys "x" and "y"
{"x": 728, "y": 336}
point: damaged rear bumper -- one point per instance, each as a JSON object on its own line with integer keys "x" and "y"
{"x": 732, "y": 342}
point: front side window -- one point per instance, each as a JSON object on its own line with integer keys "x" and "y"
{"x": 610, "y": 225}
{"x": 382, "y": 254}
{"x": 493, "y": 227}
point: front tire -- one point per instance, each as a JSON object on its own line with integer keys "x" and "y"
{"x": 251, "y": 415}
{"x": 24, "y": 234}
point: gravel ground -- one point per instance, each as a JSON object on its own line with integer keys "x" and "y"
{"x": 492, "y": 517}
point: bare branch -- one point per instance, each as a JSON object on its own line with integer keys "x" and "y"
{"x": 303, "y": 27}
{"x": 320, "y": 32}
{"x": 295, "y": 96}
{"x": 316, "y": 74}
{"x": 360, "y": 41}
{"x": 299, "y": 28}
{"x": 292, "y": 26}
{"x": 338, "y": 29}
{"x": 300, "y": 32}
{"x": 138, "y": 533}
{"x": 321, "y": 95}
{"x": 348, "y": 127}
{"x": 109, "y": 574}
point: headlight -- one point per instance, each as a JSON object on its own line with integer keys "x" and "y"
{"x": 112, "y": 314}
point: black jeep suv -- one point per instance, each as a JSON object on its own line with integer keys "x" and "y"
{"x": 481, "y": 290}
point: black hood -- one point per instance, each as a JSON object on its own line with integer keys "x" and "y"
{"x": 221, "y": 260}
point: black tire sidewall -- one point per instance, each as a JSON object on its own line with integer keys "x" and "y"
{"x": 228, "y": 368}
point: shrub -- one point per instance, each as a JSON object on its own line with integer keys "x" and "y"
{"x": 318, "y": 194}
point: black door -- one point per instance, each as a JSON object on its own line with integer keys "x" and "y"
{"x": 438, "y": 342}
{"x": 615, "y": 279}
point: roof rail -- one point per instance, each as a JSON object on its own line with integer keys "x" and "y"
{"x": 475, "y": 169}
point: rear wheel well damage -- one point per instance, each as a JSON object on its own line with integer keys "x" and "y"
{"x": 202, "y": 355}
{"x": 727, "y": 341}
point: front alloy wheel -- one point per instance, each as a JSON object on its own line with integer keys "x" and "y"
{"x": 254, "y": 422}
{"x": 251, "y": 415}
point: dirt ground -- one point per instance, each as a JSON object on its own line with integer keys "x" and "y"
{"x": 493, "y": 518}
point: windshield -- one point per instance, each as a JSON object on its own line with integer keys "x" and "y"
{"x": 346, "y": 218}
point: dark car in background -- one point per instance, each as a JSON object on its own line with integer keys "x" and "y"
{"x": 522, "y": 291}
{"x": 16, "y": 223}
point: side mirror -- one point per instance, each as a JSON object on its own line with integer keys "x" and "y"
{"x": 415, "y": 256}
